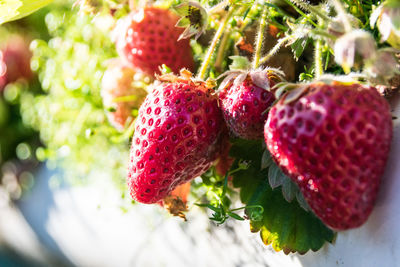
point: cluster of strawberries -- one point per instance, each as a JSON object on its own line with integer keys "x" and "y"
{"x": 332, "y": 138}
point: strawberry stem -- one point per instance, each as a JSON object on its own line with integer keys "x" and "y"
{"x": 260, "y": 38}
{"x": 222, "y": 50}
{"x": 275, "y": 49}
{"x": 248, "y": 20}
{"x": 301, "y": 12}
{"x": 125, "y": 98}
{"x": 204, "y": 66}
{"x": 319, "y": 70}
{"x": 318, "y": 59}
{"x": 311, "y": 9}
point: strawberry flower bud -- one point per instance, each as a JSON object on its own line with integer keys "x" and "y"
{"x": 387, "y": 18}
{"x": 384, "y": 67}
{"x": 194, "y": 18}
{"x": 354, "y": 49}
{"x": 336, "y": 25}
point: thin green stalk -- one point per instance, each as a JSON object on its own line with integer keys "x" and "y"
{"x": 301, "y": 12}
{"x": 319, "y": 68}
{"x": 247, "y": 21}
{"x": 323, "y": 33}
{"x": 260, "y": 38}
{"x": 125, "y": 98}
{"x": 203, "y": 69}
{"x": 318, "y": 59}
{"x": 275, "y": 49}
{"x": 249, "y": 207}
{"x": 311, "y": 9}
{"x": 222, "y": 50}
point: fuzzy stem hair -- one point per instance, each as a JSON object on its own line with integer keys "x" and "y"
{"x": 318, "y": 59}
{"x": 260, "y": 38}
{"x": 275, "y": 49}
{"x": 311, "y": 9}
{"x": 207, "y": 59}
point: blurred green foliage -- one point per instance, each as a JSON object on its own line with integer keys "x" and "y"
{"x": 69, "y": 114}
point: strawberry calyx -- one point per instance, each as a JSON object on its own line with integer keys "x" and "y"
{"x": 289, "y": 92}
{"x": 187, "y": 77}
{"x": 175, "y": 206}
{"x": 260, "y": 77}
{"x": 175, "y": 203}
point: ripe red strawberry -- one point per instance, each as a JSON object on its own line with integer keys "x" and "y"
{"x": 333, "y": 141}
{"x": 177, "y": 137}
{"x": 15, "y": 61}
{"x": 244, "y": 99}
{"x": 148, "y": 38}
{"x": 120, "y": 94}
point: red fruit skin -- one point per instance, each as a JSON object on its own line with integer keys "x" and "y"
{"x": 244, "y": 108}
{"x": 333, "y": 142}
{"x": 15, "y": 61}
{"x": 148, "y": 38}
{"x": 177, "y": 137}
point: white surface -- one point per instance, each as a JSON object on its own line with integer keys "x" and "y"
{"x": 84, "y": 225}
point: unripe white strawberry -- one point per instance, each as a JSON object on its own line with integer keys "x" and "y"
{"x": 122, "y": 92}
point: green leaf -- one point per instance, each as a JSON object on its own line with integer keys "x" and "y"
{"x": 289, "y": 190}
{"x": 302, "y": 202}
{"x": 286, "y": 226}
{"x": 245, "y": 149}
{"x": 266, "y": 159}
{"x": 239, "y": 63}
{"x": 235, "y": 216}
{"x": 9, "y": 9}
{"x": 211, "y": 207}
{"x": 299, "y": 46}
{"x": 16, "y": 9}
{"x": 274, "y": 176}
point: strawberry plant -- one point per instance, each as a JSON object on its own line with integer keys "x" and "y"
{"x": 273, "y": 111}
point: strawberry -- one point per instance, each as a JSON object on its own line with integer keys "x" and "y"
{"x": 333, "y": 140}
{"x": 148, "y": 38}
{"x": 244, "y": 99}
{"x": 15, "y": 61}
{"x": 120, "y": 94}
{"x": 177, "y": 137}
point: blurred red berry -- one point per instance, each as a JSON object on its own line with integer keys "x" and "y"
{"x": 148, "y": 38}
